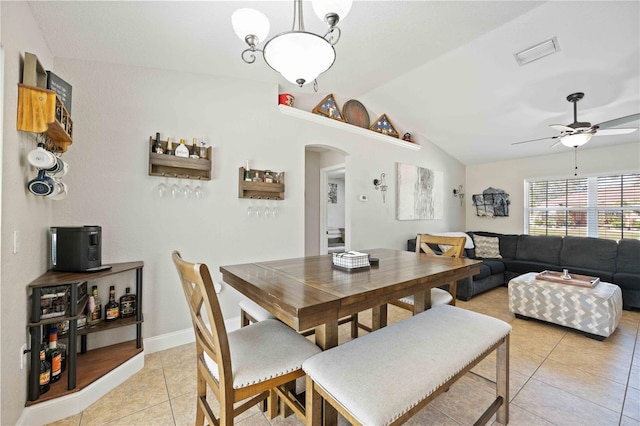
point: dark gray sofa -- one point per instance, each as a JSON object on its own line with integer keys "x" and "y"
{"x": 613, "y": 262}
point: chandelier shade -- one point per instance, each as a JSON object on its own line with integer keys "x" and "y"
{"x": 299, "y": 56}
{"x": 575, "y": 139}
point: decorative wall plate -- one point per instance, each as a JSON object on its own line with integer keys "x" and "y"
{"x": 383, "y": 125}
{"x": 356, "y": 114}
{"x": 329, "y": 108}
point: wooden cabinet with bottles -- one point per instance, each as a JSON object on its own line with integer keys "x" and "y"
{"x": 179, "y": 167}
{"x": 261, "y": 190}
{"x": 83, "y": 367}
{"x": 42, "y": 111}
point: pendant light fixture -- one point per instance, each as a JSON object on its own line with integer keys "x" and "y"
{"x": 300, "y": 56}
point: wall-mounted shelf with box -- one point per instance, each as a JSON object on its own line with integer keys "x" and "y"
{"x": 42, "y": 111}
{"x": 260, "y": 190}
{"x": 179, "y": 167}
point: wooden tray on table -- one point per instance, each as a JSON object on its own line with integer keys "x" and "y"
{"x": 576, "y": 279}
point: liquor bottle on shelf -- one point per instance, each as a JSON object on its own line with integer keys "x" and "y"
{"x": 94, "y": 314}
{"x": 157, "y": 147}
{"x": 203, "y": 149}
{"x": 268, "y": 177}
{"x": 256, "y": 178}
{"x": 54, "y": 355}
{"x": 247, "y": 172}
{"x": 127, "y": 304}
{"x": 169, "y": 150}
{"x": 45, "y": 372}
{"x": 193, "y": 153}
{"x": 63, "y": 351}
{"x": 182, "y": 150}
{"x": 111, "y": 309}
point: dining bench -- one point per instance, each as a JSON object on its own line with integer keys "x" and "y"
{"x": 387, "y": 376}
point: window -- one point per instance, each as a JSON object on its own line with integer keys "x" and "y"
{"x": 601, "y": 206}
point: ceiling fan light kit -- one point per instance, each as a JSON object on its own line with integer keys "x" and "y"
{"x": 298, "y": 55}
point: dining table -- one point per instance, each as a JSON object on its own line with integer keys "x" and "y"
{"x": 309, "y": 292}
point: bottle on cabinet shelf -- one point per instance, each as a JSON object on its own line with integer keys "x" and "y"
{"x": 157, "y": 147}
{"x": 45, "y": 372}
{"x": 127, "y": 304}
{"x": 203, "y": 150}
{"x": 247, "y": 172}
{"x": 256, "y": 178}
{"x": 112, "y": 308}
{"x": 182, "y": 150}
{"x": 54, "y": 356}
{"x": 268, "y": 177}
{"x": 94, "y": 307}
{"x": 169, "y": 150}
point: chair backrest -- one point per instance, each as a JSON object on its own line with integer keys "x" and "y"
{"x": 212, "y": 340}
{"x": 449, "y": 246}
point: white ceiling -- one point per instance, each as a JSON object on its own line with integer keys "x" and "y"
{"x": 443, "y": 70}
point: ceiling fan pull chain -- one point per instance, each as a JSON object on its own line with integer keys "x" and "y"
{"x": 575, "y": 160}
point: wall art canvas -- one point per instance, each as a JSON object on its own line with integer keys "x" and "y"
{"x": 333, "y": 193}
{"x": 420, "y": 193}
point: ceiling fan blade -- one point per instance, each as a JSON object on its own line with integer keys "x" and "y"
{"x": 534, "y": 140}
{"x": 619, "y": 131}
{"x": 561, "y": 127}
{"x": 618, "y": 121}
{"x": 555, "y": 144}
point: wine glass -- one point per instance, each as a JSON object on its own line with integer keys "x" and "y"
{"x": 187, "y": 192}
{"x": 250, "y": 207}
{"x": 198, "y": 192}
{"x": 174, "y": 190}
{"x": 258, "y": 209}
{"x": 274, "y": 209}
{"x": 161, "y": 190}
{"x": 265, "y": 210}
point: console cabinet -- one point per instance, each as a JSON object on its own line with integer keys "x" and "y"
{"x": 83, "y": 367}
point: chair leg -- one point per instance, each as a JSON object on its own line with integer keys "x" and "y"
{"x": 272, "y": 404}
{"x": 502, "y": 381}
{"x": 453, "y": 289}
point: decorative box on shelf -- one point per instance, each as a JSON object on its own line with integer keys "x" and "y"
{"x": 178, "y": 167}
{"x": 261, "y": 189}
{"x": 351, "y": 261}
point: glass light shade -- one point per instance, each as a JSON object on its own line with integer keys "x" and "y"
{"x": 247, "y": 21}
{"x": 339, "y": 7}
{"x": 299, "y": 55}
{"x": 577, "y": 139}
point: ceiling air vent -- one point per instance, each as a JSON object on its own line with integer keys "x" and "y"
{"x": 538, "y": 51}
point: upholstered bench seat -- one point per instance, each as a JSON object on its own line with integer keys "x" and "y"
{"x": 595, "y": 311}
{"x": 387, "y": 376}
{"x": 250, "y": 311}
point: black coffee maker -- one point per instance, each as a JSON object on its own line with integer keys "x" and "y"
{"x": 76, "y": 249}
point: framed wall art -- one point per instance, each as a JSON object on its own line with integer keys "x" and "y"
{"x": 420, "y": 194}
{"x": 329, "y": 108}
{"x": 383, "y": 125}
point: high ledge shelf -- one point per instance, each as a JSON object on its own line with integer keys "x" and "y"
{"x": 325, "y": 121}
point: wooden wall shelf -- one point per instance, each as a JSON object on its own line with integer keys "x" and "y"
{"x": 260, "y": 190}
{"x": 42, "y": 111}
{"x": 178, "y": 167}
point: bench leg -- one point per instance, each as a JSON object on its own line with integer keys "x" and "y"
{"x": 502, "y": 381}
{"x": 313, "y": 405}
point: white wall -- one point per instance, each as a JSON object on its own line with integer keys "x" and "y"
{"x": 312, "y": 203}
{"x": 510, "y": 176}
{"x": 21, "y": 211}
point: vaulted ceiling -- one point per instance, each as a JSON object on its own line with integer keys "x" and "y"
{"x": 442, "y": 70}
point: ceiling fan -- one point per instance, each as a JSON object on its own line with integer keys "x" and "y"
{"x": 578, "y": 133}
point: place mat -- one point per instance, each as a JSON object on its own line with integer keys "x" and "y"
{"x": 576, "y": 279}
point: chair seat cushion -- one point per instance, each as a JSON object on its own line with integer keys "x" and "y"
{"x": 438, "y": 297}
{"x": 256, "y": 311}
{"x": 382, "y": 375}
{"x": 264, "y": 350}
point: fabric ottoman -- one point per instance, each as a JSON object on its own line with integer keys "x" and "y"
{"x": 595, "y": 311}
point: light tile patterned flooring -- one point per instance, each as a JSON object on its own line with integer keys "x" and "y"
{"x": 557, "y": 377}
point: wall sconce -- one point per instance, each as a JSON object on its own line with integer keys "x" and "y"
{"x": 458, "y": 193}
{"x": 382, "y": 186}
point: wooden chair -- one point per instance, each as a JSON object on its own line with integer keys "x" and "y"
{"x": 450, "y": 247}
{"x": 253, "y": 362}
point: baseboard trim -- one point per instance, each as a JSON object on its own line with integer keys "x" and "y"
{"x": 70, "y": 405}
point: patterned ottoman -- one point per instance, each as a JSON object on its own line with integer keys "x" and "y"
{"x": 595, "y": 311}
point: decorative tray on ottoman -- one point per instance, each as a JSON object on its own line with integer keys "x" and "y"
{"x": 574, "y": 279}
{"x": 351, "y": 261}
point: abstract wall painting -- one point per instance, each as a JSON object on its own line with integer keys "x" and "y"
{"x": 420, "y": 193}
{"x": 333, "y": 193}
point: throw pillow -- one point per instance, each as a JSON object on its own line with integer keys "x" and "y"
{"x": 487, "y": 247}
{"x": 444, "y": 247}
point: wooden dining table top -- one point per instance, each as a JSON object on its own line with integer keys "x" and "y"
{"x": 308, "y": 292}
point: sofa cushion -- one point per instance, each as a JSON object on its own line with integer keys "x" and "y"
{"x": 591, "y": 253}
{"x": 539, "y": 248}
{"x": 487, "y": 247}
{"x": 485, "y": 271}
{"x": 523, "y": 266}
{"x": 628, "y": 256}
{"x": 496, "y": 266}
{"x": 508, "y": 242}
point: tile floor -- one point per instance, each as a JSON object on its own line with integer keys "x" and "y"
{"x": 558, "y": 377}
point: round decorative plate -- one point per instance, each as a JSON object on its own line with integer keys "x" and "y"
{"x": 356, "y": 114}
